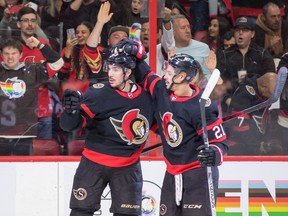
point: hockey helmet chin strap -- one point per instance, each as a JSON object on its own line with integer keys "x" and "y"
{"x": 177, "y": 83}
{"x": 124, "y": 80}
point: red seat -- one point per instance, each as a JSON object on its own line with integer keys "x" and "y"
{"x": 75, "y": 147}
{"x": 46, "y": 147}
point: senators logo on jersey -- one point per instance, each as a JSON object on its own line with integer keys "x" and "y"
{"x": 132, "y": 128}
{"x": 172, "y": 130}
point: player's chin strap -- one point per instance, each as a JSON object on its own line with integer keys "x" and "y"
{"x": 173, "y": 82}
{"x": 124, "y": 80}
{"x": 178, "y": 188}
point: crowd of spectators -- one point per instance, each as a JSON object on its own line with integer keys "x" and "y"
{"x": 246, "y": 47}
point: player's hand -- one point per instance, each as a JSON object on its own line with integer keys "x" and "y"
{"x": 208, "y": 156}
{"x": 136, "y": 49}
{"x": 71, "y": 101}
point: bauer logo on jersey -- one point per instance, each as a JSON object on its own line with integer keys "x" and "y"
{"x": 132, "y": 128}
{"x": 13, "y": 88}
{"x": 172, "y": 130}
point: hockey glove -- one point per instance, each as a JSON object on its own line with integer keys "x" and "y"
{"x": 71, "y": 101}
{"x": 209, "y": 156}
{"x": 136, "y": 49}
{"x": 129, "y": 47}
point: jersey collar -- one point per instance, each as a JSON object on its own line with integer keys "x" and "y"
{"x": 176, "y": 98}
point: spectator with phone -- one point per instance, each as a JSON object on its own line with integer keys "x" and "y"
{"x": 76, "y": 73}
{"x": 79, "y": 11}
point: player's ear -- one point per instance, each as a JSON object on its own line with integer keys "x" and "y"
{"x": 182, "y": 75}
{"x": 128, "y": 73}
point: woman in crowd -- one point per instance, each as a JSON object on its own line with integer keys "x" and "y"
{"x": 75, "y": 72}
{"x": 216, "y": 30}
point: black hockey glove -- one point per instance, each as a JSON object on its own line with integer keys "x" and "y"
{"x": 130, "y": 47}
{"x": 71, "y": 101}
{"x": 136, "y": 49}
{"x": 208, "y": 156}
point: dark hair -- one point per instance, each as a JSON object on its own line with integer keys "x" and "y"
{"x": 180, "y": 7}
{"x": 87, "y": 24}
{"x": 224, "y": 26}
{"x": 159, "y": 23}
{"x": 228, "y": 35}
{"x": 26, "y": 10}
{"x": 11, "y": 42}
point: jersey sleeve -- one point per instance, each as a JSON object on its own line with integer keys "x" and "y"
{"x": 67, "y": 63}
{"x": 93, "y": 58}
{"x": 146, "y": 78}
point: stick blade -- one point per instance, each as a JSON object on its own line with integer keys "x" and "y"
{"x": 211, "y": 84}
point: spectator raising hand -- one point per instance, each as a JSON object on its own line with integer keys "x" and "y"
{"x": 211, "y": 62}
{"x": 103, "y": 17}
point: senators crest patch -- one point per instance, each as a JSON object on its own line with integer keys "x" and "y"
{"x": 172, "y": 130}
{"x": 132, "y": 128}
{"x": 251, "y": 90}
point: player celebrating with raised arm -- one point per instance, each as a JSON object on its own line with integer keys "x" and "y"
{"x": 117, "y": 115}
{"x": 178, "y": 116}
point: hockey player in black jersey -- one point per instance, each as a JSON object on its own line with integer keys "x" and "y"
{"x": 117, "y": 116}
{"x": 251, "y": 91}
{"x": 177, "y": 109}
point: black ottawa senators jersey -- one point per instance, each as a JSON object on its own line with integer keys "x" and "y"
{"x": 117, "y": 123}
{"x": 179, "y": 121}
{"x": 248, "y": 125}
{"x": 19, "y": 99}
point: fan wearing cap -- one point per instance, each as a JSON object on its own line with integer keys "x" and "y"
{"x": 117, "y": 116}
{"x": 177, "y": 111}
{"x": 245, "y": 58}
{"x": 95, "y": 53}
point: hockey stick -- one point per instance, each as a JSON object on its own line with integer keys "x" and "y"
{"x": 204, "y": 98}
{"x": 280, "y": 82}
{"x": 151, "y": 147}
